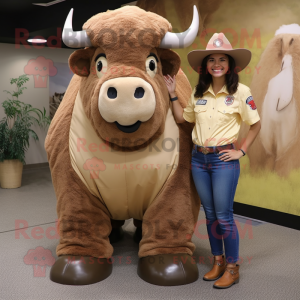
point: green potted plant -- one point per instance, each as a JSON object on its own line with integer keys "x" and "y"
{"x": 15, "y": 132}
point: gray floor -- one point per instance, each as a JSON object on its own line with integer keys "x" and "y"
{"x": 269, "y": 264}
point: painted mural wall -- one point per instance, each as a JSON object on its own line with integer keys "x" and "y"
{"x": 270, "y": 173}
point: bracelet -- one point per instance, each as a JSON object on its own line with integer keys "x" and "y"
{"x": 174, "y": 99}
{"x": 243, "y": 152}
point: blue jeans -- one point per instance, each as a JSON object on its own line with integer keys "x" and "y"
{"x": 216, "y": 183}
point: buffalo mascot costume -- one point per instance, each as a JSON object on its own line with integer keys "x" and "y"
{"x": 116, "y": 152}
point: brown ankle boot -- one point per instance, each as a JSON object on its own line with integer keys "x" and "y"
{"x": 217, "y": 269}
{"x": 230, "y": 277}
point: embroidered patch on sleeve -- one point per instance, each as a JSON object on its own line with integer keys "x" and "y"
{"x": 201, "y": 102}
{"x": 251, "y": 103}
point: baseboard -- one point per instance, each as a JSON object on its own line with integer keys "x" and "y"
{"x": 267, "y": 215}
{"x": 36, "y": 166}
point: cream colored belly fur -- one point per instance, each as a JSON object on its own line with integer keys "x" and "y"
{"x": 126, "y": 182}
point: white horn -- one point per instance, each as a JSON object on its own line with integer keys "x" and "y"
{"x": 74, "y": 39}
{"x": 182, "y": 39}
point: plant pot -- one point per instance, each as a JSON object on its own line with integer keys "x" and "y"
{"x": 11, "y": 173}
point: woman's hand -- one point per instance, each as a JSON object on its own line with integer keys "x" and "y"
{"x": 171, "y": 84}
{"x": 230, "y": 154}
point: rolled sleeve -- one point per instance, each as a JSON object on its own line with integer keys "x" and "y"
{"x": 188, "y": 111}
{"x": 247, "y": 108}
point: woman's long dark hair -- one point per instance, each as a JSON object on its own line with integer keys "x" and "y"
{"x": 205, "y": 78}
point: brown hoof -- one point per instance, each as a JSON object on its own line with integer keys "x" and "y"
{"x": 80, "y": 270}
{"x": 116, "y": 235}
{"x": 168, "y": 269}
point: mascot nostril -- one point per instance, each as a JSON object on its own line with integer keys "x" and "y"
{"x": 139, "y": 93}
{"x": 112, "y": 93}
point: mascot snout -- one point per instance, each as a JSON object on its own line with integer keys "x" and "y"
{"x": 128, "y": 101}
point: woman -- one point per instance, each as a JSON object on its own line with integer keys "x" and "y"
{"x": 217, "y": 106}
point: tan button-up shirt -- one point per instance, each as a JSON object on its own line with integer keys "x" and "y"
{"x": 218, "y": 117}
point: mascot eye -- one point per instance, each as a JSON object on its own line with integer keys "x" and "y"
{"x": 101, "y": 65}
{"x": 151, "y": 66}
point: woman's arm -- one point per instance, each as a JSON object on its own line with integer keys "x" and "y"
{"x": 252, "y": 134}
{"x": 237, "y": 154}
{"x": 177, "y": 109}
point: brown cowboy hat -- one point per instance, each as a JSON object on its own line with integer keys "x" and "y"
{"x": 220, "y": 44}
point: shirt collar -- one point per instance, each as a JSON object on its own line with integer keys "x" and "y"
{"x": 223, "y": 90}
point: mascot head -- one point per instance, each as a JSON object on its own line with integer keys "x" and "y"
{"x": 122, "y": 67}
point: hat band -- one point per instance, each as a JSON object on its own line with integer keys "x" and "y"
{"x": 223, "y": 47}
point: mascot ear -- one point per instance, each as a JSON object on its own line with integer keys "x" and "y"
{"x": 170, "y": 61}
{"x": 80, "y": 61}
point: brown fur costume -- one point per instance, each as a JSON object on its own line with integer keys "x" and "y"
{"x": 85, "y": 223}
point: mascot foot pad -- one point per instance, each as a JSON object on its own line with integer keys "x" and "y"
{"x": 80, "y": 270}
{"x": 168, "y": 269}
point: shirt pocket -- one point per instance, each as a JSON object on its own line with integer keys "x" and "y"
{"x": 226, "y": 114}
{"x": 200, "y": 113}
